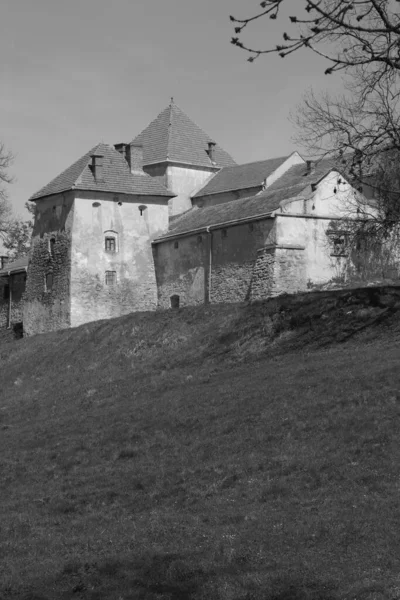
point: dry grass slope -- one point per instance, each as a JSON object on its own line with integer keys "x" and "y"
{"x": 228, "y": 452}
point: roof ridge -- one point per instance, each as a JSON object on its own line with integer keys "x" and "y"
{"x": 255, "y": 162}
{"x": 170, "y": 117}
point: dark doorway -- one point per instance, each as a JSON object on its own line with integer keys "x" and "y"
{"x": 174, "y": 301}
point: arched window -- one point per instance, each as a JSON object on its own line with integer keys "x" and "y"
{"x": 174, "y": 301}
{"x": 111, "y": 241}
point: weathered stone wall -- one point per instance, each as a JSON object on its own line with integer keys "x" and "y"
{"x": 234, "y": 255}
{"x": 17, "y": 289}
{"x": 184, "y": 270}
{"x": 181, "y": 270}
{"x": 97, "y": 216}
{"x": 49, "y": 309}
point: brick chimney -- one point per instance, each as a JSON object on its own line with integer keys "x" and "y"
{"x": 136, "y": 158}
{"x": 310, "y": 166}
{"x": 211, "y": 151}
{"x": 121, "y": 148}
{"x": 97, "y": 166}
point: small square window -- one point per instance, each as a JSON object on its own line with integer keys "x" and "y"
{"x": 110, "y": 244}
{"x": 111, "y": 277}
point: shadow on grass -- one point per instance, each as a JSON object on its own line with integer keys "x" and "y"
{"x": 178, "y": 577}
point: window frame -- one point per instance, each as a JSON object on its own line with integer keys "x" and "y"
{"x": 110, "y": 282}
{"x": 110, "y": 239}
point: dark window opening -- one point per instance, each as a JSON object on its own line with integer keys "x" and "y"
{"x": 6, "y": 292}
{"x": 174, "y": 301}
{"x": 49, "y": 282}
{"x": 52, "y": 243}
{"x": 251, "y": 227}
{"x": 338, "y": 243}
{"x": 224, "y": 233}
{"x": 110, "y": 244}
{"x": 111, "y": 277}
{"x": 176, "y": 245}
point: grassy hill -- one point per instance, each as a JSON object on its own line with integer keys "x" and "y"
{"x": 220, "y": 453}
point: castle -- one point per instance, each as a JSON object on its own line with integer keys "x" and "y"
{"x": 171, "y": 220}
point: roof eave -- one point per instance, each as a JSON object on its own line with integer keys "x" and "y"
{"x": 197, "y": 195}
{"x": 170, "y": 161}
{"x": 259, "y": 217}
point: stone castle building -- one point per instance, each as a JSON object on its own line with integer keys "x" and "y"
{"x": 170, "y": 220}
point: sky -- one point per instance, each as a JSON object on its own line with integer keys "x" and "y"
{"x": 80, "y": 72}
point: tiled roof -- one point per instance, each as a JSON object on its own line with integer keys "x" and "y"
{"x": 17, "y": 265}
{"x": 117, "y": 177}
{"x": 293, "y": 183}
{"x": 173, "y": 136}
{"x": 297, "y": 176}
{"x": 240, "y": 177}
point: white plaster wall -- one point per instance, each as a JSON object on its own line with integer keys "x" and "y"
{"x": 133, "y": 263}
{"x": 330, "y": 198}
{"x": 321, "y": 267}
{"x": 293, "y": 159}
{"x": 184, "y": 182}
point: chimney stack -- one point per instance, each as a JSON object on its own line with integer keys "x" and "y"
{"x": 211, "y": 151}
{"x": 310, "y": 167}
{"x": 97, "y": 166}
{"x": 3, "y": 261}
{"x": 136, "y": 158}
{"x": 121, "y": 148}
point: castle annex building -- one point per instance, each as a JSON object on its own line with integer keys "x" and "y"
{"x": 169, "y": 219}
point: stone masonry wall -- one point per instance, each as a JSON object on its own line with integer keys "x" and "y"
{"x": 182, "y": 264}
{"x": 47, "y": 294}
{"x": 18, "y": 288}
{"x": 278, "y": 270}
{"x": 181, "y": 269}
{"x": 234, "y": 255}
{"x": 263, "y": 279}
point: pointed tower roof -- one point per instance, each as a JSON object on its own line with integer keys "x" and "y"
{"x": 116, "y": 177}
{"x": 172, "y": 136}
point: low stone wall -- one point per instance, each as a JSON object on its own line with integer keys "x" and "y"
{"x": 18, "y": 288}
{"x": 278, "y": 270}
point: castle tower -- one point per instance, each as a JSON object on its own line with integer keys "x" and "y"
{"x": 91, "y": 254}
{"x": 180, "y": 155}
